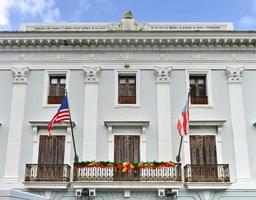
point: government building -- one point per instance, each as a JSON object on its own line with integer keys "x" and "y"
{"x": 127, "y": 83}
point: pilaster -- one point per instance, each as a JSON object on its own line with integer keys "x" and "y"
{"x": 234, "y": 76}
{"x": 92, "y": 75}
{"x": 164, "y": 113}
{"x": 20, "y": 79}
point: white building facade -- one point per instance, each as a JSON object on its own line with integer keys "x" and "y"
{"x": 127, "y": 83}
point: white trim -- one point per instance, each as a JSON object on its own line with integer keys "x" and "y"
{"x": 145, "y": 185}
{"x": 208, "y": 86}
{"x": 46, "y": 185}
{"x": 207, "y": 186}
{"x": 47, "y": 74}
{"x": 141, "y": 130}
{"x": 128, "y": 72}
{"x": 36, "y": 137}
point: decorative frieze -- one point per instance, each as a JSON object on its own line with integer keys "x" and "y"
{"x": 20, "y": 75}
{"x": 163, "y": 74}
{"x": 92, "y": 74}
{"x": 234, "y": 74}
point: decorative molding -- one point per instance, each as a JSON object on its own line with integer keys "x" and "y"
{"x": 207, "y": 186}
{"x": 47, "y": 185}
{"x": 213, "y": 122}
{"x": 23, "y": 57}
{"x": 45, "y": 124}
{"x": 234, "y": 74}
{"x": 110, "y": 124}
{"x": 20, "y": 75}
{"x": 199, "y": 56}
{"x": 92, "y": 74}
{"x": 127, "y": 56}
{"x": 58, "y": 56}
{"x": 163, "y": 74}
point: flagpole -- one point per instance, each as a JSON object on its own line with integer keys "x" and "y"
{"x": 76, "y": 158}
{"x": 181, "y": 138}
{"x": 178, "y": 156}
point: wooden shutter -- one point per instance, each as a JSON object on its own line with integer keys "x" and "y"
{"x": 51, "y": 150}
{"x": 210, "y": 149}
{"x": 196, "y": 149}
{"x": 203, "y": 149}
{"x": 127, "y": 148}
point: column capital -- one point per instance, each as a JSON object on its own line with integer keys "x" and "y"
{"x": 163, "y": 74}
{"x": 92, "y": 74}
{"x": 234, "y": 74}
{"x": 20, "y": 75}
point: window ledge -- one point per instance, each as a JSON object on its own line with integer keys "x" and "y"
{"x": 51, "y": 106}
{"x": 127, "y": 106}
{"x": 200, "y": 106}
{"x": 207, "y": 185}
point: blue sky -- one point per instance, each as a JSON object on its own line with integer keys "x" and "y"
{"x": 241, "y": 12}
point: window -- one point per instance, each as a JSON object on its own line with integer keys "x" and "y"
{"x": 126, "y": 89}
{"x": 203, "y": 158}
{"x": 203, "y": 149}
{"x": 51, "y": 149}
{"x": 127, "y": 148}
{"x": 198, "y": 89}
{"x": 57, "y": 85}
{"x": 51, "y": 158}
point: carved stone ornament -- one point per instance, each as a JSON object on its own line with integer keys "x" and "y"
{"x": 234, "y": 74}
{"x": 92, "y": 74}
{"x": 163, "y": 74}
{"x": 20, "y": 75}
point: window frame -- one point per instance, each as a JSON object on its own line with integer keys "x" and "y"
{"x": 40, "y": 128}
{"x": 47, "y": 75}
{"x": 136, "y": 73}
{"x": 208, "y": 77}
{"x": 208, "y": 130}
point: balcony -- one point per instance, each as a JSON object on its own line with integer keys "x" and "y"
{"x": 126, "y": 99}
{"x": 207, "y": 173}
{"x": 47, "y": 173}
{"x": 55, "y": 99}
{"x": 98, "y": 173}
{"x": 199, "y": 100}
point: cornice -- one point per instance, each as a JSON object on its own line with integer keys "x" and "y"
{"x": 125, "y": 41}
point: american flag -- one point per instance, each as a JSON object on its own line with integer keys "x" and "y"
{"x": 183, "y": 120}
{"x": 62, "y": 115}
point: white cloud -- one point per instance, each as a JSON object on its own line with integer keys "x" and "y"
{"x": 247, "y": 22}
{"x": 44, "y": 9}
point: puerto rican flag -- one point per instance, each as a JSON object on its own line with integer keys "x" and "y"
{"x": 63, "y": 114}
{"x": 183, "y": 120}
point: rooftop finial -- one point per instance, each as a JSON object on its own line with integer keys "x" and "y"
{"x": 128, "y": 15}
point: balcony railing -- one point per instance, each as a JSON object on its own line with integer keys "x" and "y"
{"x": 207, "y": 173}
{"x": 47, "y": 172}
{"x": 55, "y": 99}
{"x": 127, "y": 99}
{"x": 199, "y": 99}
{"x": 109, "y": 174}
